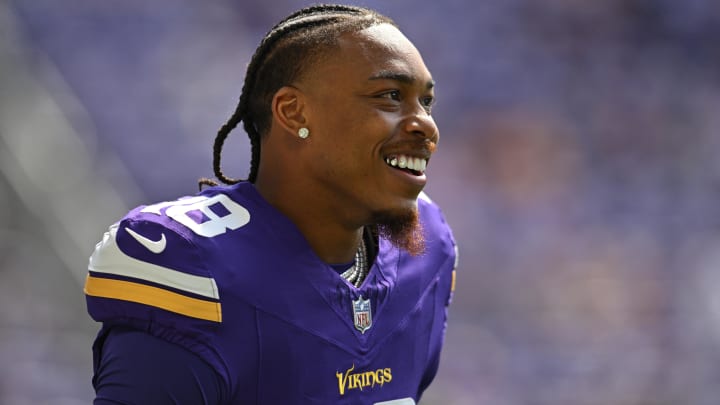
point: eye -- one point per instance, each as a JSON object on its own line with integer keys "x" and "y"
{"x": 427, "y": 102}
{"x": 392, "y": 95}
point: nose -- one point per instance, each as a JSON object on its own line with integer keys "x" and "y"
{"x": 422, "y": 124}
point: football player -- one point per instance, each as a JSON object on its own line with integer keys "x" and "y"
{"x": 325, "y": 276}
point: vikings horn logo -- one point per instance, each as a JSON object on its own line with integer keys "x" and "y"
{"x": 362, "y": 314}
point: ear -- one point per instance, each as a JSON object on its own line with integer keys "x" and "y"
{"x": 288, "y": 109}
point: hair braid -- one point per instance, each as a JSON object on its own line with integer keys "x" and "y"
{"x": 253, "y": 106}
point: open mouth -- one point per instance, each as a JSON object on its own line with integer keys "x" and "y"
{"x": 409, "y": 164}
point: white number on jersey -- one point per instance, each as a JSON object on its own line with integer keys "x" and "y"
{"x": 211, "y": 224}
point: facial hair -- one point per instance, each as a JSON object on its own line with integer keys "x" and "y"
{"x": 403, "y": 229}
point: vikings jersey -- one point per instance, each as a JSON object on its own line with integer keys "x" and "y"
{"x": 229, "y": 278}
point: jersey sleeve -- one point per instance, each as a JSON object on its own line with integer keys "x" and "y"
{"x": 139, "y": 262}
{"x": 134, "y": 367}
{"x": 147, "y": 275}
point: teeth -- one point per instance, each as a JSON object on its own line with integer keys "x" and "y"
{"x": 407, "y": 162}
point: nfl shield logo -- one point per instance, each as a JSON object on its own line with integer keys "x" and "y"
{"x": 362, "y": 314}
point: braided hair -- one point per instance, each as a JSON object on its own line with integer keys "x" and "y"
{"x": 286, "y": 52}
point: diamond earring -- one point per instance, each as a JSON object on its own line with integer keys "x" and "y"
{"x": 303, "y": 132}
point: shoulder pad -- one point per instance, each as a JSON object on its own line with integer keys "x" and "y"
{"x": 142, "y": 269}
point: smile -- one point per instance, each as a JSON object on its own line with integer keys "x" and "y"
{"x": 413, "y": 165}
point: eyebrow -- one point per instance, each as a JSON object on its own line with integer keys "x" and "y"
{"x": 399, "y": 77}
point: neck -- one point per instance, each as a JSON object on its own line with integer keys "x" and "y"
{"x": 331, "y": 237}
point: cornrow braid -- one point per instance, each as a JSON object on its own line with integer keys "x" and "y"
{"x": 284, "y": 53}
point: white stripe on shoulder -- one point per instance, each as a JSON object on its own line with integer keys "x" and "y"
{"x": 108, "y": 258}
{"x": 423, "y": 196}
{"x": 403, "y": 401}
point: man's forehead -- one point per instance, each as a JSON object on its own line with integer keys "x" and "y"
{"x": 383, "y": 52}
{"x": 382, "y": 39}
{"x": 383, "y": 35}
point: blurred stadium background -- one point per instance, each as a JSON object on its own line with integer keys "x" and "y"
{"x": 578, "y": 165}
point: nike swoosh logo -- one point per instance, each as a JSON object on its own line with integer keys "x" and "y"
{"x": 155, "y": 246}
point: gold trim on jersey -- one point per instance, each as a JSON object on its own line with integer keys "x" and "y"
{"x": 153, "y": 296}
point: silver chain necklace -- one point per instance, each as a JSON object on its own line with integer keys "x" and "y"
{"x": 356, "y": 274}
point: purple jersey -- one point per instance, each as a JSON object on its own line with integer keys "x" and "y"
{"x": 228, "y": 277}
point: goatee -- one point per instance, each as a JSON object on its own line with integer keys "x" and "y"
{"x": 403, "y": 229}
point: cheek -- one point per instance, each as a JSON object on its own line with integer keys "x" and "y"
{"x": 357, "y": 132}
{"x": 373, "y": 126}
{"x": 353, "y": 129}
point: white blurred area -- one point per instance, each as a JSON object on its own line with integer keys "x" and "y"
{"x": 578, "y": 166}
{"x": 53, "y": 197}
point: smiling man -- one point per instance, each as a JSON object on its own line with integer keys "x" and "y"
{"x": 326, "y": 275}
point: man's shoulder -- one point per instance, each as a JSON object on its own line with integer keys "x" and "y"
{"x": 211, "y": 213}
{"x": 156, "y": 262}
{"x": 439, "y": 239}
{"x": 432, "y": 218}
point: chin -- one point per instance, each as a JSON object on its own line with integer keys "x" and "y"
{"x": 402, "y": 227}
{"x": 404, "y": 202}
